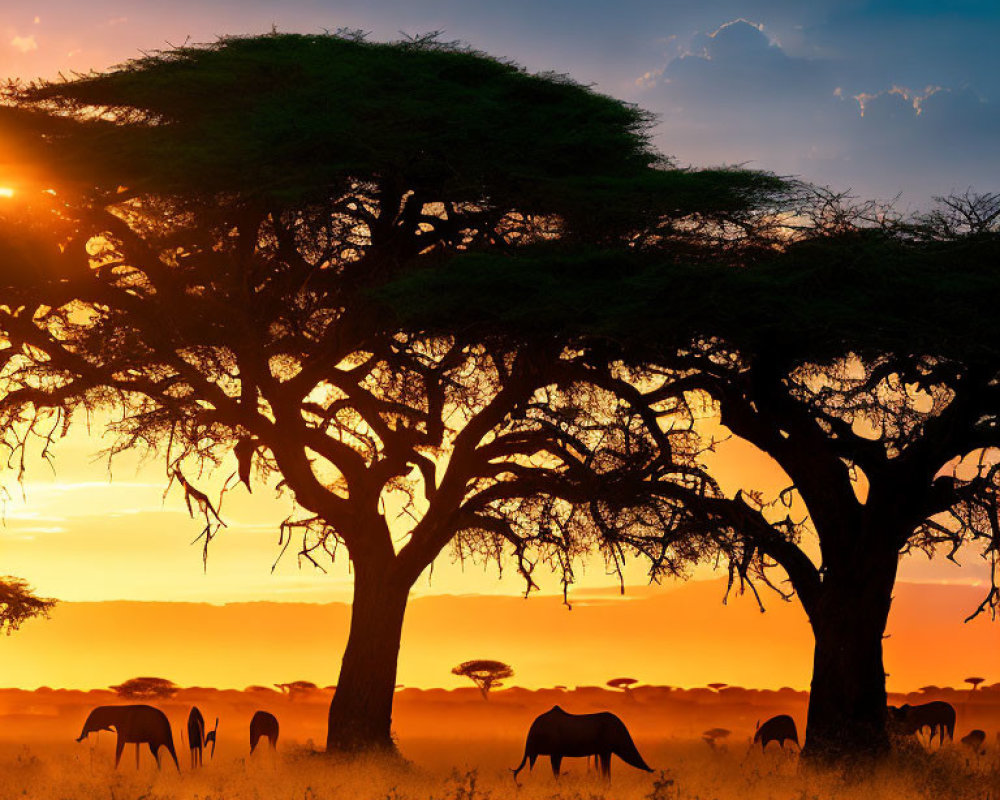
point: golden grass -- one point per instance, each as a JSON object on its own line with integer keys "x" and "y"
{"x": 478, "y": 769}
{"x": 459, "y": 747}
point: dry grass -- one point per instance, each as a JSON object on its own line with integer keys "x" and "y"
{"x": 440, "y": 769}
{"x": 458, "y": 747}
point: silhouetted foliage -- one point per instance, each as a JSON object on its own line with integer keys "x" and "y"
{"x": 297, "y": 688}
{"x": 853, "y": 353}
{"x": 625, "y": 684}
{"x": 486, "y": 674}
{"x": 146, "y": 688}
{"x": 974, "y": 682}
{"x": 208, "y": 268}
{"x": 713, "y": 735}
{"x": 18, "y": 604}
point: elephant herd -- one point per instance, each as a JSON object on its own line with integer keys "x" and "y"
{"x": 556, "y": 733}
{"x": 142, "y": 724}
{"x": 559, "y": 734}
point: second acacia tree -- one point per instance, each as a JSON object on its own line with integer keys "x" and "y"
{"x": 853, "y": 353}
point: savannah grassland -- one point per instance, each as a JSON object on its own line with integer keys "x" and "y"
{"x": 459, "y": 747}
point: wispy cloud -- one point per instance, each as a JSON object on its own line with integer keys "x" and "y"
{"x": 24, "y": 44}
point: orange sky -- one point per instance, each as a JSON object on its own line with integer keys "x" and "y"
{"x": 81, "y": 537}
{"x": 80, "y": 534}
{"x": 680, "y": 636}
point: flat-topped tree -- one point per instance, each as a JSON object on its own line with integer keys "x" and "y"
{"x": 221, "y": 217}
{"x": 856, "y": 356}
{"x": 485, "y": 673}
{"x": 18, "y": 604}
{"x": 625, "y": 684}
{"x": 295, "y": 689}
{"x": 146, "y": 689}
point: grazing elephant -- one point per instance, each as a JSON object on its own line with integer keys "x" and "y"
{"x": 974, "y": 740}
{"x": 138, "y": 724}
{"x": 938, "y": 715}
{"x": 197, "y": 738}
{"x": 558, "y": 734}
{"x": 777, "y": 729}
{"x": 263, "y": 724}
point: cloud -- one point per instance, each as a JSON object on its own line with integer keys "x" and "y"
{"x": 733, "y": 80}
{"x": 738, "y": 96}
{"x": 24, "y": 44}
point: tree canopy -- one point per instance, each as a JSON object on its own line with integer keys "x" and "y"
{"x": 485, "y": 673}
{"x": 146, "y": 688}
{"x": 863, "y": 292}
{"x": 18, "y": 604}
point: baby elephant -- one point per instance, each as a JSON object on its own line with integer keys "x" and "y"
{"x": 974, "y": 740}
{"x": 198, "y": 739}
{"x": 558, "y": 735}
{"x": 263, "y": 724}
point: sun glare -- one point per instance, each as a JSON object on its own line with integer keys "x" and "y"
{"x": 6, "y": 191}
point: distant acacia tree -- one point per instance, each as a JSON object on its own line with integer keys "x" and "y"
{"x": 974, "y": 682}
{"x": 625, "y": 684}
{"x": 713, "y": 735}
{"x": 19, "y": 604}
{"x": 146, "y": 688}
{"x": 484, "y": 673}
{"x": 297, "y": 688}
{"x": 208, "y": 265}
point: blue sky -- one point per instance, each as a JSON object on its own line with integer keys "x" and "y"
{"x": 776, "y": 84}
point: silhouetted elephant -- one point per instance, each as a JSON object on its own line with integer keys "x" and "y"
{"x": 263, "y": 724}
{"x": 197, "y": 738}
{"x": 974, "y": 741}
{"x": 777, "y": 729}
{"x": 937, "y": 715}
{"x": 210, "y": 736}
{"x": 138, "y": 724}
{"x": 558, "y": 735}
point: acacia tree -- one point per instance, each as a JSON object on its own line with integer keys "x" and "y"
{"x": 295, "y": 689}
{"x": 625, "y": 684}
{"x": 485, "y": 673}
{"x": 221, "y": 217}
{"x": 855, "y": 356}
{"x": 18, "y": 604}
{"x": 146, "y": 688}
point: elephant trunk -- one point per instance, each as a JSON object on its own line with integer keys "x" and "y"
{"x": 521, "y": 765}
{"x": 173, "y": 753}
{"x": 630, "y": 755}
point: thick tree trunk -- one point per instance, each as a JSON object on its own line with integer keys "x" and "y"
{"x": 847, "y": 701}
{"x": 360, "y": 717}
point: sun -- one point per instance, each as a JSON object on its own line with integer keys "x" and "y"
{"x": 6, "y": 191}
